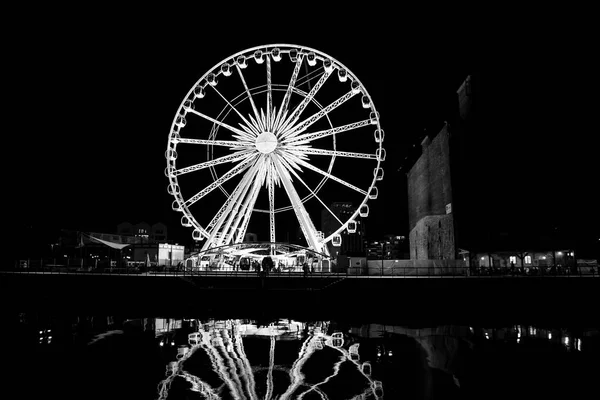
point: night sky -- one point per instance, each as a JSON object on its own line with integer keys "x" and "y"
{"x": 93, "y": 102}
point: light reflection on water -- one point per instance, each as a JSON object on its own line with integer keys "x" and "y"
{"x": 357, "y": 371}
{"x": 288, "y": 359}
{"x": 223, "y": 342}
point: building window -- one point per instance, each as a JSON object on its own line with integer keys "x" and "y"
{"x": 513, "y": 259}
{"x": 527, "y": 259}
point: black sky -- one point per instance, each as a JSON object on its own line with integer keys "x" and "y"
{"x": 93, "y": 101}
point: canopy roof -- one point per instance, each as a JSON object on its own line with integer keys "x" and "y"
{"x": 102, "y": 239}
{"x": 262, "y": 248}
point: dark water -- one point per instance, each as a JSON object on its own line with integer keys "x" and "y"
{"x": 109, "y": 357}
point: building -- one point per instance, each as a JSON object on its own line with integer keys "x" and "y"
{"x": 352, "y": 243}
{"x": 459, "y": 201}
{"x": 439, "y": 196}
{"x": 531, "y": 261}
{"x": 389, "y": 247}
{"x": 152, "y": 233}
{"x": 430, "y": 201}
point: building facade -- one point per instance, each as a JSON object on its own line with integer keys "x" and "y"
{"x": 389, "y": 247}
{"x": 151, "y": 233}
{"x": 439, "y": 193}
{"x": 430, "y": 201}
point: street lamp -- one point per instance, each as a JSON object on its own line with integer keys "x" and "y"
{"x": 382, "y": 255}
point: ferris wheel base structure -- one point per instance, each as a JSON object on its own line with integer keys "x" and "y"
{"x": 273, "y": 111}
{"x": 228, "y": 257}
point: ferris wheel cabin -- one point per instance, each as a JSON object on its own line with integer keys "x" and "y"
{"x": 336, "y": 240}
{"x": 351, "y": 226}
{"x": 364, "y": 211}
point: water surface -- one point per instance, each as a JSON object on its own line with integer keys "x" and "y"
{"x": 109, "y": 356}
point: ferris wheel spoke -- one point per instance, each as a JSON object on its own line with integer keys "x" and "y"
{"x": 323, "y": 152}
{"x": 260, "y": 128}
{"x": 242, "y": 230}
{"x": 248, "y": 130}
{"x": 269, "y": 94}
{"x": 309, "y": 189}
{"x": 241, "y": 209}
{"x": 249, "y": 127}
{"x": 279, "y": 127}
{"x": 228, "y": 363}
{"x": 288, "y": 93}
{"x": 303, "y": 163}
{"x": 275, "y": 116}
{"x": 270, "y": 371}
{"x": 232, "y": 144}
{"x": 221, "y": 160}
{"x": 309, "y": 77}
{"x": 251, "y": 383}
{"x": 219, "y": 366}
{"x": 306, "y": 224}
{"x": 230, "y": 174}
{"x": 315, "y": 387}
{"x": 296, "y": 130}
{"x": 271, "y": 211}
{"x": 245, "y": 136}
{"x": 308, "y": 137}
{"x": 241, "y": 363}
{"x": 296, "y": 115}
{"x": 263, "y": 118}
{"x": 280, "y": 118}
{"x": 226, "y": 209}
{"x": 246, "y": 212}
{"x": 296, "y": 377}
{"x": 255, "y": 122}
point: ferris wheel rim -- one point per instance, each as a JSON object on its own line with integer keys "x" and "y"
{"x": 217, "y": 72}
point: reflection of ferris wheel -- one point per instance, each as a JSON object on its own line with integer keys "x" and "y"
{"x": 278, "y": 118}
{"x": 224, "y": 347}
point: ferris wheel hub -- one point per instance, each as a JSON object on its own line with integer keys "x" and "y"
{"x": 266, "y": 142}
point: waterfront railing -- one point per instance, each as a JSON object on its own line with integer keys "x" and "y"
{"x": 404, "y": 269}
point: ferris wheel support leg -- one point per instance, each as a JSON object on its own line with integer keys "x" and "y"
{"x": 239, "y": 210}
{"x": 248, "y": 205}
{"x": 246, "y": 367}
{"x": 272, "y": 215}
{"x": 306, "y": 224}
{"x": 218, "y": 364}
{"x": 235, "y": 198}
{"x": 245, "y": 219}
{"x": 230, "y": 202}
{"x": 242, "y": 231}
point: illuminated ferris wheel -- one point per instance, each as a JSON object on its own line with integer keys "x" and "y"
{"x": 271, "y": 129}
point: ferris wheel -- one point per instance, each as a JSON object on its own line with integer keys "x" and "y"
{"x": 272, "y": 129}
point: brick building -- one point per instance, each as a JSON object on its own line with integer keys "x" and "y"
{"x": 430, "y": 201}
{"x": 438, "y": 186}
